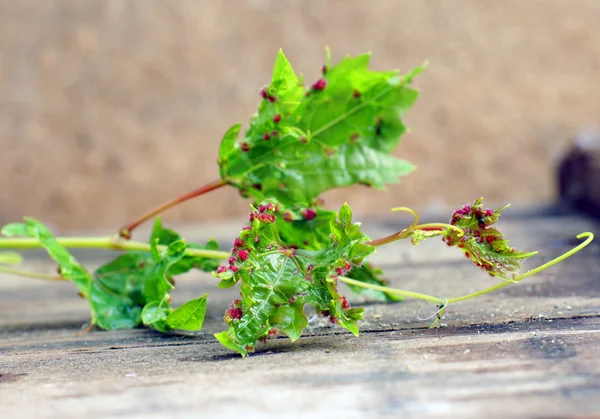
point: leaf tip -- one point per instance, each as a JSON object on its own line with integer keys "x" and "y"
{"x": 225, "y": 339}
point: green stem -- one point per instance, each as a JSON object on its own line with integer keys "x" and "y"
{"x": 108, "y": 242}
{"x": 11, "y": 258}
{"x": 403, "y": 293}
{"x": 444, "y": 301}
{"x": 28, "y": 274}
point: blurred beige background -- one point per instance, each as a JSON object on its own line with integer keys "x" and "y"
{"x": 109, "y": 107}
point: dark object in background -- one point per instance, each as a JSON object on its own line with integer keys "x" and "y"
{"x": 579, "y": 174}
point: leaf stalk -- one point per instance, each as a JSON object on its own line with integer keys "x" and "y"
{"x": 126, "y": 230}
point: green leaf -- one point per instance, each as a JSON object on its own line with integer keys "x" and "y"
{"x": 304, "y": 141}
{"x": 344, "y": 217}
{"x": 164, "y": 236}
{"x": 111, "y": 307}
{"x": 112, "y": 311}
{"x": 189, "y": 316}
{"x": 284, "y": 82}
{"x": 228, "y": 142}
{"x": 17, "y": 229}
{"x": 137, "y": 281}
{"x": 227, "y": 341}
{"x": 157, "y": 285}
{"x": 482, "y": 243}
{"x": 140, "y": 281}
{"x": 131, "y": 289}
{"x": 290, "y": 319}
{"x": 296, "y": 230}
{"x": 167, "y": 236}
{"x": 125, "y": 276}
{"x": 155, "y": 315}
{"x": 277, "y": 281}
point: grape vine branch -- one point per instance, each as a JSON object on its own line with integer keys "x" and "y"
{"x": 292, "y": 252}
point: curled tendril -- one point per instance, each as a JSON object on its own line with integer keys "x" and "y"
{"x": 410, "y": 211}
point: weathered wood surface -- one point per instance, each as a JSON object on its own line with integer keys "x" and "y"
{"x": 529, "y": 350}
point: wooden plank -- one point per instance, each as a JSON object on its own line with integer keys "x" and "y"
{"x": 516, "y": 370}
{"x": 527, "y": 350}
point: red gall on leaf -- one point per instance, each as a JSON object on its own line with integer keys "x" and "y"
{"x": 266, "y": 218}
{"x": 482, "y": 243}
{"x": 319, "y": 85}
{"x": 345, "y": 303}
{"x": 265, "y": 95}
{"x": 232, "y": 314}
{"x": 309, "y": 214}
{"x": 243, "y": 255}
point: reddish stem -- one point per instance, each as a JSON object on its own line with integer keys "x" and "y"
{"x": 126, "y": 231}
{"x": 400, "y": 235}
